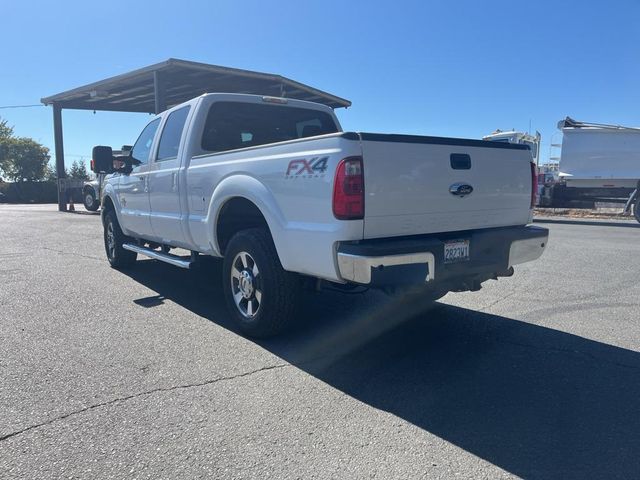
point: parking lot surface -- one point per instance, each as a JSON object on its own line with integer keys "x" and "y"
{"x": 140, "y": 374}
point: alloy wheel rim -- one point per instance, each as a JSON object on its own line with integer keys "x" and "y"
{"x": 245, "y": 285}
{"x": 111, "y": 240}
{"x": 88, "y": 200}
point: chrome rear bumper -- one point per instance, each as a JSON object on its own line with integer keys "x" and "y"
{"x": 356, "y": 268}
{"x": 421, "y": 259}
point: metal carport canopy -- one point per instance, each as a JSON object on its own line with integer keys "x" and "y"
{"x": 157, "y": 87}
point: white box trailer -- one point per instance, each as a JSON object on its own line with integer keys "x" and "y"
{"x": 598, "y": 163}
{"x": 598, "y": 155}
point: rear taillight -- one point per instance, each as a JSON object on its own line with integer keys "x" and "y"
{"x": 93, "y": 165}
{"x": 534, "y": 184}
{"x": 348, "y": 190}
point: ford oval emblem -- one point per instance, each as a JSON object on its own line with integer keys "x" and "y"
{"x": 460, "y": 189}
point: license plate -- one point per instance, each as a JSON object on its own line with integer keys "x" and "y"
{"x": 456, "y": 251}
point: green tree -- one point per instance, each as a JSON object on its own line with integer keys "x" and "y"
{"x": 21, "y": 158}
{"x": 6, "y": 134}
{"x": 26, "y": 160}
{"x": 5, "y": 130}
{"x": 79, "y": 170}
{"x": 51, "y": 175}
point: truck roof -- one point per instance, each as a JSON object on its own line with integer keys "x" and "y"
{"x": 268, "y": 99}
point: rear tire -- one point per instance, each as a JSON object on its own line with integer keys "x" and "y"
{"x": 261, "y": 296}
{"x": 636, "y": 209}
{"x": 113, "y": 240}
{"x": 91, "y": 203}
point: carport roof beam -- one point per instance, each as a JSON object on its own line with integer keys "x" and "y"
{"x": 156, "y": 85}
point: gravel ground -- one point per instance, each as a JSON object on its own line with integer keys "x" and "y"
{"x": 141, "y": 375}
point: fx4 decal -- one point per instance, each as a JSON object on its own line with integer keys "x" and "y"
{"x": 315, "y": 167}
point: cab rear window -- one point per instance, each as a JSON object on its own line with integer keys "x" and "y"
{"x": 232, "y": 125}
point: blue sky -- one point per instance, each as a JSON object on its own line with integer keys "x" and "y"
{"x": 448, "y": 68}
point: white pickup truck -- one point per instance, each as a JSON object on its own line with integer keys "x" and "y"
{"x": 276, "y": 188}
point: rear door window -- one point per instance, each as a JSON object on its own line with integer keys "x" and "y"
{"x": 232, "y": 125}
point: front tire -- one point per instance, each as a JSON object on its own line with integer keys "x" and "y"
{"x": 114, "y": 238}
{"x": 261, "y": 296}
{"x": 90, "y": 201}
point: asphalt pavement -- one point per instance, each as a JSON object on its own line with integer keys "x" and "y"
{"x": 106, "y": 374}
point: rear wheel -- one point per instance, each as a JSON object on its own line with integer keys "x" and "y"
{"x": 90, "y": 201}
{"x": 636, "y": 209}
{"x": 261, "y": 296}
{"x": 113, "y": 240}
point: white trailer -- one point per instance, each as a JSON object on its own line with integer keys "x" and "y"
{"x": 598, "y": 162}
{"x": 598, "y": 155}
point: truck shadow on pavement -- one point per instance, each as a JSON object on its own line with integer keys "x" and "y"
{"x": 537, "y": 402}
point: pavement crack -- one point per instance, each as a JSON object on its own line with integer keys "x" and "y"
{"x": 140, "y": 394}
{"x": 13, "y": 255}
{"x": 62, "y": 252}
{"x": 487, "y": 307}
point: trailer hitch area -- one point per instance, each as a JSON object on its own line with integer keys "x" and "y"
{"x": 472, "y": 285}
{"x": 632, "y": 198}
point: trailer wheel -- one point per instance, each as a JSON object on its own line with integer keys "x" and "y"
{"x": 261, "y": 296}
{"x": 114, "y": 238}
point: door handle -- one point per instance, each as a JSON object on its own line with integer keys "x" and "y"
{"x": 146, "y": 184}
{"x": 174, "y": 178}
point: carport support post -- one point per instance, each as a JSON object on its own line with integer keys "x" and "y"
{"x": 59, "y": 150}
{"x": 158, "y": 92}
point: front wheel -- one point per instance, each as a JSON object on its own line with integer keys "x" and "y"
{"x": 114, "y": 239}
{"x": 90, "y": 201}
{"x": 261, "y": 296}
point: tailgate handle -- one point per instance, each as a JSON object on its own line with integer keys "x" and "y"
{"x": 460, "y": 161}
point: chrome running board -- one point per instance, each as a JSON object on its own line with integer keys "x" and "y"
{"x": 156, "y": 255}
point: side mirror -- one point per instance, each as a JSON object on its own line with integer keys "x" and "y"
{"x": 102, "y": 160}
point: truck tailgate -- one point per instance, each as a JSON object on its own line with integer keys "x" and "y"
{"x": 408, "y": 181}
